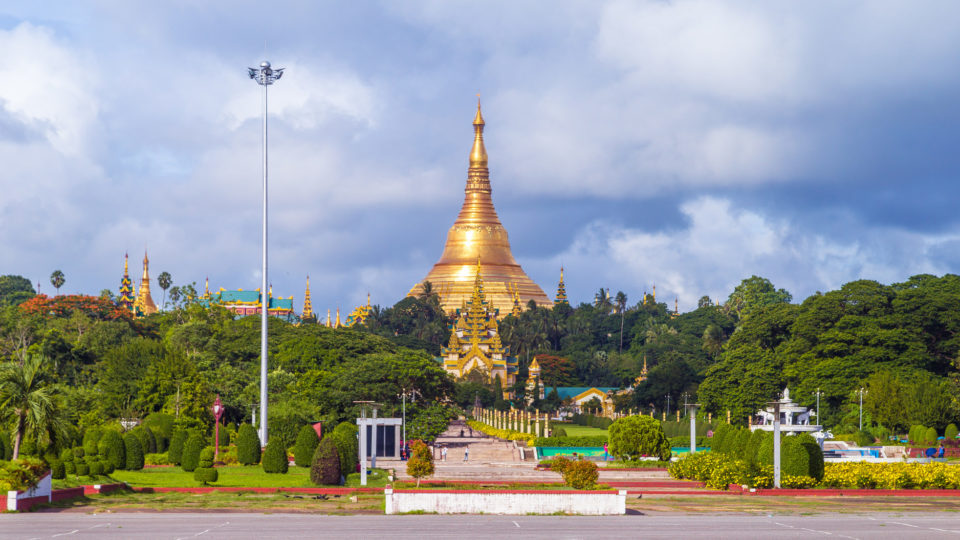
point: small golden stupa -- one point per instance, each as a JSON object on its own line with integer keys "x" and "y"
{"x": 144, "y": 303}
{"x": 478, "y": 235}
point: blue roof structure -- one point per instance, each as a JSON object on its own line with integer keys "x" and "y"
{"x": 566, "y": 392}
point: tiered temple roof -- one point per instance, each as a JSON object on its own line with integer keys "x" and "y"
{"x": 126, "y": 297}
{"x": 561, "y": 291}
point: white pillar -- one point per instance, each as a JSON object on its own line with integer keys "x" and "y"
{"x": 363, "y": 452}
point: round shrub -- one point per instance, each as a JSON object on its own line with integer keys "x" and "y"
{"x": 348, "y": 447}
{"x": 420, "y": 463}
{"x": 636, "y": 436}
{"x": 112, "y": 449}
{"x": 190, "y": 459}
{"x": 863, "y": 438}
{"x": 83, "y": 469}
{"x": 815, "y": 455}
{"x": 796, "y": 457}
{"x": 206, "y": 475}
{"x": 66, "y": 455}
{"x": 558, "y": 431}
{"x": 108, "y": 467}
{"x": 930, "y": 436}
{"x": 581, "y": 474}
{"x": 951, "y": 432}
{"x": 78, "y": 452}
{"x": 719, "y": 434}
{"x": 57, "y": 470}
{"x": 206, "y": 457}
{"x": 96, "y": 468}
{"x": 275, "y": 457}
{"x": 325, "y": 463}
{"x": 306, "y": 446}
{"x": 177, "y": 441}
{"x": 70, "y": 467}
{"x": 753, "y": 445}
{"x": 248, "y": 445}
{"x": 133, "y": 451}
{"x": 917, "y": 433}
{"x": 90, "y": 440}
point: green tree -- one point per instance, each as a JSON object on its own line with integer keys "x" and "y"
{"x": 28, "y": 404}
{"x": 275, "y": 457}
{"x": 636, "y": 436}
{"x": 755, "y": 292}
{"x": 134, "y": 452}
{"x": 190, "y": 459}
{"x": 305, "y": 447}
{"x": 15, "y": 290}
{"x": 420, "y": 464}
{"x": 248, "y": 445}
{"x": 325, "y": 463}
{"x": 57, "y": 279}
{"x": 164, "y": 280}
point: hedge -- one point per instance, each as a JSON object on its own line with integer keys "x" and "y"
{"x": 70, "y": 467}
{"x": 161, "y": 424}
{"x": 112, "y": 449}
{"x": 592, "y": 441}
{"x": 82, "y": 469}
{"x": 177, "y": 440}
{"x": 506, "y": 434}
{"x": 248, "y": 445}
{"x": 325, "y": 463}
{"x": 57, "y": 470}
{"x": 684, "y": 441}
{"x": 275, "y": 457}
{"x": 90, "y": 440}
{"x": 190, "y": 459}
{"x": 133, "y": 451}
{"x": 863, "y": 438}
{"x": 147, "y": 441}
{"x": 306, "y": 446}
{"x": 589, "y": 420}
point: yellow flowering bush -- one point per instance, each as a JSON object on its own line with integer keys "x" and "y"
{"x": 716, "y": 471}
{"x": 764, "y": 479}
{"x": 507, "y": 434}
{"x": 892, "y": 475}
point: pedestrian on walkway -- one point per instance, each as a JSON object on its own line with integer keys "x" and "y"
{"x": 443, "y": 454}
{"x": 466, "y": 454}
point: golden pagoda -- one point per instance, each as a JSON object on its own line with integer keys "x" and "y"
{"x": 144, "y": 304}
{"x": 477, "y": 234}
{"x": 535, "y": 390}
{"x": 475, "y": 341}
{"x": 561, "y": 291}
{"x": 126, "y": 297}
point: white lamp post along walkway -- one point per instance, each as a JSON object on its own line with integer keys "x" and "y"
{"x": 265, "y": 76}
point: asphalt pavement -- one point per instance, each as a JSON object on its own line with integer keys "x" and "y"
{"x": 213, "y": 525}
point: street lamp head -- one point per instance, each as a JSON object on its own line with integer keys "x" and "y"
{"x": 264, "y": 64}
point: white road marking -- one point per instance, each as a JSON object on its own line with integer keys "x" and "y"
{"x": 201, "y": 532}
{"x": 904, "y": 524}
{"x": 517, "y": 524}
{"x": 784, "y": 525}
{"x": 816, "y": 531}
{"x": 944, "y": 530}
{"x": 66, "y": 533}
{"x": 100, "y": 525}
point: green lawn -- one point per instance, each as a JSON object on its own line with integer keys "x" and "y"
{"x": 574, "y": 430}
{"x": 230, "y": 476}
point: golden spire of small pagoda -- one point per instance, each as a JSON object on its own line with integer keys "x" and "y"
{"x": 328, "y": 319}
{"x": 307, "y": 305}
{"x": 676, "y": 305}
{"x": 517, "y": 308}
{"x": 144, "y": 301}
{"x": 561, "y": 291}
{"x": 654, "y": 293}
{"x": 337, "y": 324}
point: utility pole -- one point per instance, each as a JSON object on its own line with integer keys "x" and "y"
{"x": 819, "y": 393}
{"x": 264, "y": 76}
{"x": 861, "y": 392}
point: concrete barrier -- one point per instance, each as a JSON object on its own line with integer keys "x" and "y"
{"x": 518, "y": 502}
{"x": 24, "y": 500}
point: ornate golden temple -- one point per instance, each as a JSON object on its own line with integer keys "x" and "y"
{"x": 478, "y": 235}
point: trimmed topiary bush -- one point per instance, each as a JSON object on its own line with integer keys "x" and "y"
{"x": 917, "y": 434}
{"x": 112, "y": 449}
{"x": 420, "y": 463}
{"x": 275, "y": 457}
{"x": 306, "y": 446}
{"x": 205, "y": 473}
{"x": 190, "y": 459}
{"x": 951, "y": 432}
{"x": 108, "y": 467}
{"x": 636, "y": 436}
{"x": 66, "y": 455}
{"x": 70, "y": 467}
{"x": 96, "y": 468}
{"x": 930, "y": 436}
{"x": 83, "y": 469}
{"x": 325, "y": 463}
{"x": 248, "y": 445}
{"x": 133, "y": 452}
{"x": 78, "y": 452}
{"x": 797, "y": 458}
{"x": 345, "y": 438}
{"x": 147, "y": 441}
{"x": 581, "y": 474}
{"x": 177, "y": 440}
{"x": 57, "y": 470}
{"x": 90, "y": 440}
{"x": 161, "y": 424}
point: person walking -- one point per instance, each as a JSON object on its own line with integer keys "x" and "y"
{"x": 466, "y": 454}
{"x": 443, "y": 454}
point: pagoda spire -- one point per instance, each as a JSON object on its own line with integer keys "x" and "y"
{"x": 144, "y": 303}
{"x": 307, "y": 305}
{"x": 328, "y": 319}
{"x": 126, "y": 298}
{"x": 561, "y": 291}
{"x": 337, "y": 324}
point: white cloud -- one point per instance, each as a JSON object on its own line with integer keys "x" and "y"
{"x": 722, "y": 245}
{"x": 50, "y": 86}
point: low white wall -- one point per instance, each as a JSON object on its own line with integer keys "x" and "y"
{"x": 472, "y": 502}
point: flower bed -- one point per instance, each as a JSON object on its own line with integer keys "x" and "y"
{"x": 507, "y": 434}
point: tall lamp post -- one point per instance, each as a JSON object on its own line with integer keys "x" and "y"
{"x": 265, "y": 76}
{"x": 217, "y": 413}
{"x": 861, "y": 391}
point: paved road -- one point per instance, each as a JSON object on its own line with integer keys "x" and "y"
{"x": 70, "y": 526}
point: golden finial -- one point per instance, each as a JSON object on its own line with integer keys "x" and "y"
{"x": 206, "y": 287}
{"x": 478, "y": 154}
{"x": 328, "y": 318}
{"x": 126, "y": 266}
{"x": 676, "y": 305}
{"x": 368, "y": 294}
{"x": 654, "y": 293}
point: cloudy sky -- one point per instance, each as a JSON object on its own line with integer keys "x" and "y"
{"x": 689, "y": 144}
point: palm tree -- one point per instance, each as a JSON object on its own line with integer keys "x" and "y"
{"x": 25, "y": 398}
{"x": 57, "y": 280}
{"x": 621, "y": 301}
{"x": 713, "y": 339}
{"x": 602, "y": 300}
{"x": 164, "y": 280}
